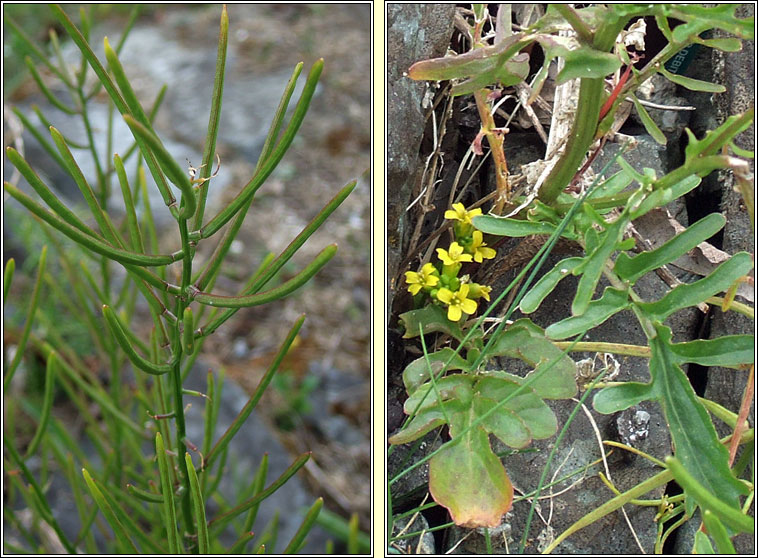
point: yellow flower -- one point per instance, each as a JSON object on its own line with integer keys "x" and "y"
{"x": 479, "y": 291}
{"x": 426, "y": 277}
{"x": 454, "y": 255}
{"x": 479, "y": 248}
{"x": 457, "y": 302}
{"x": 459, "y": 213}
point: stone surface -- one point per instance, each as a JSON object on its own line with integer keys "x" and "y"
{"x": 414, "y": 32}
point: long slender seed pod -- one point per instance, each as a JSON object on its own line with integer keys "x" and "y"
{"x": 272, "y": 294}
{"x": 91, "y": 242}
{"x": 138, "y": 361}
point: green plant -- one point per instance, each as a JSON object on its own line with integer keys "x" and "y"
{"x": 457, "y": 385}
{"x": 153, "y": 501}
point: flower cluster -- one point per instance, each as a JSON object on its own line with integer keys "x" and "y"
{"x": 440, "y": 281}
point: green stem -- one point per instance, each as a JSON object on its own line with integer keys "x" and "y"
{"x": 591, "y": 93}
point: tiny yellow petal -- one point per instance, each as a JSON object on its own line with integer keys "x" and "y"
{"x": 453, "y": 313}
{"x": 468, "y": 306}
{"x": 445, "y": 295}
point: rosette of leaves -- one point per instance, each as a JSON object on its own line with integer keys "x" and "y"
{"x": 466, "y": 476}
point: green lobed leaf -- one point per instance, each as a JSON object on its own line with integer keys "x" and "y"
{"x": 527, "y": 342}
{"x": 527, "y": 405}
{"x": 431, "y": 318}
{"x": 500, "y": 226}
{"x": 537, "y": 293}
{"x": 661, "y": 196}
{"x": 714, "y": 140}
{"x": 613, "y": 399}
{"x": 467, "y": 478}
{"x": 647, "y": 121}
{"x": 692, "y": 294}
{"x": 702, "y": 544}
{"x": 593, "y": 265}
{"x": 692, "y": 84}
{"x": 599, "y": 310}
{"x": 417, "y": 372}
{"x": 632, "y": 268}
{"x": 425, "y": 421}
{"x": 717, "y": 530}
{"x": 454, "y": 386}
{"x": 726, "y": 44}
{"x": 587, "y": 63}
{"x": 476, "y": 62}
{"x": 692, "y": 432}
{"x": 611, "y": 186}
{"x": 728, "y": 350}
{"x": 504, "y": 423}
{"x": 710, "y": 501}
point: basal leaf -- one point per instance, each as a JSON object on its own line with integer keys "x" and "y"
{"x": 527, "y": 405}
{"x": 417, "y": 372}
{"x": 458, "y": 386}
{"x": 599, "y": 310}
{"x": 503, "y": 423}
{"x": 632, "y": 268}
{"x": 425, "y": 421}
{"x": 527, "y": 342}
{"x": 467, "y": 478}
{"x": 432, "y": 318}
{"x": 691, "y": 294}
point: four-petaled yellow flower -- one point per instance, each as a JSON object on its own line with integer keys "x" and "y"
{"x": 424, "y": 278}
{"x": 479, "y": 291}
{"x": 480, "y": 248}
{"x": 459, "y": 213}
{"x": 457, "y": 302}
{"x": 454, "y": 255}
